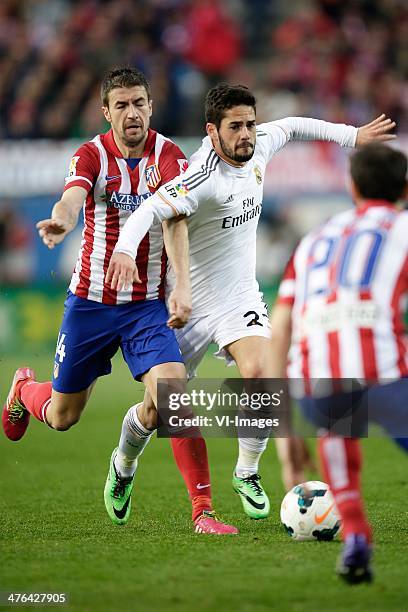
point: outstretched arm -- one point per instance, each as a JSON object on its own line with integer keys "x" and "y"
{"x": 180, "y": 196}
{"x": 64, "y": 217}
{"x": 304, "y": 128}
{"x": 122, "y": 270}
{"x": 376, "y": 131}
{"x": 164, "y": 204}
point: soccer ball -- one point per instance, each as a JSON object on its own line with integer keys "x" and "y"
{"x": 308, "y": 512}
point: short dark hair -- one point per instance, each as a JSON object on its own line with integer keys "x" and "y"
{"x": 222, "y": 97}
{"x": 123, "y": 77}
{"x": 379, "y": 172}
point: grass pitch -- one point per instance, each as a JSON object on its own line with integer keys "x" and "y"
{"x": 57, "y": 537}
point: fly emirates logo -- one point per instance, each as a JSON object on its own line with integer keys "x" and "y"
{"x": 250, "y": 210}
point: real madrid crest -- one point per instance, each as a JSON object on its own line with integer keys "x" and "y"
{"x": 258, "y": 174}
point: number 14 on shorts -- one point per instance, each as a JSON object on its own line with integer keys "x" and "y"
{"x": 60, "y": 352}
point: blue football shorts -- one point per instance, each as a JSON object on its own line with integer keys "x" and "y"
{"x": 348, "y": 414}
{"x": 91, "y": 334}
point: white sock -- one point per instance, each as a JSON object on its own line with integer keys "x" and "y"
{"x": 133, "y": 439}
{"x": 250, "y": 451}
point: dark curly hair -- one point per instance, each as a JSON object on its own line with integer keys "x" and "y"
{"x": 222, "y": 97}
{"x": 123, "y": 77}
{"x": 379, "y": 172}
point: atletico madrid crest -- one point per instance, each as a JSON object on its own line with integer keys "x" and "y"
{"x": 153, "y": 177}
{"x": 183, "y": 165}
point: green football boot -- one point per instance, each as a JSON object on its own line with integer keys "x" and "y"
{"x": 254, "y": 499}
{"x": 117, "y": 494}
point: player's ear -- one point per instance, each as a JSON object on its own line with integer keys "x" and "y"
{"x": 212, "y": 132}
{"x": 150, "y": 107}
{"x": 106, "y": 114}
{"x": 210, "y": 128}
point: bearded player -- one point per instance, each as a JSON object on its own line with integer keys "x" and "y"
{"x": 221, "y": 193}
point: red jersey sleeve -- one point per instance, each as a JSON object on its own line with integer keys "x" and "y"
{"x": 286, "y": 291}
{"x": 172, "y": 162}
{"x": 83, "y": 168}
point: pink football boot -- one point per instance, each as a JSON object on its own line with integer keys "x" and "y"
{"x": 15, "y": 417}
{"x": 207, "y": 522}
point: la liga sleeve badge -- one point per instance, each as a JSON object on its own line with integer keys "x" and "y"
{"x": 73, "y": 165}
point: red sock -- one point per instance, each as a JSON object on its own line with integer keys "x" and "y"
{"x": 191, "y": 458}
{"x": 36, "y": 398}
{"x": 341, "y": 466}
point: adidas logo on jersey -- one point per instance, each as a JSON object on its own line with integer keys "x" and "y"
{"x": 229, "y": 199}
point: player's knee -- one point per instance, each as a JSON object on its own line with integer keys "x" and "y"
{"x": 63, "y": 421}
{"x": 65, "y": 409}
{"x": 250, "y": 369}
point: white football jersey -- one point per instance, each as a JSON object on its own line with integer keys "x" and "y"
{"x": 227, "y": 202}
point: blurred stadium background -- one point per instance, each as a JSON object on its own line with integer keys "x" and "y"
{"x": 339, "y": 60}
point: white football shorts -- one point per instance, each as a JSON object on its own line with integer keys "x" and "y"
{"x": 247, "y": 316}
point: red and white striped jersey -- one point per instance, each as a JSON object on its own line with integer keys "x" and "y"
{"x": 347, "y": 283}
{"x": 115, "y": 190}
